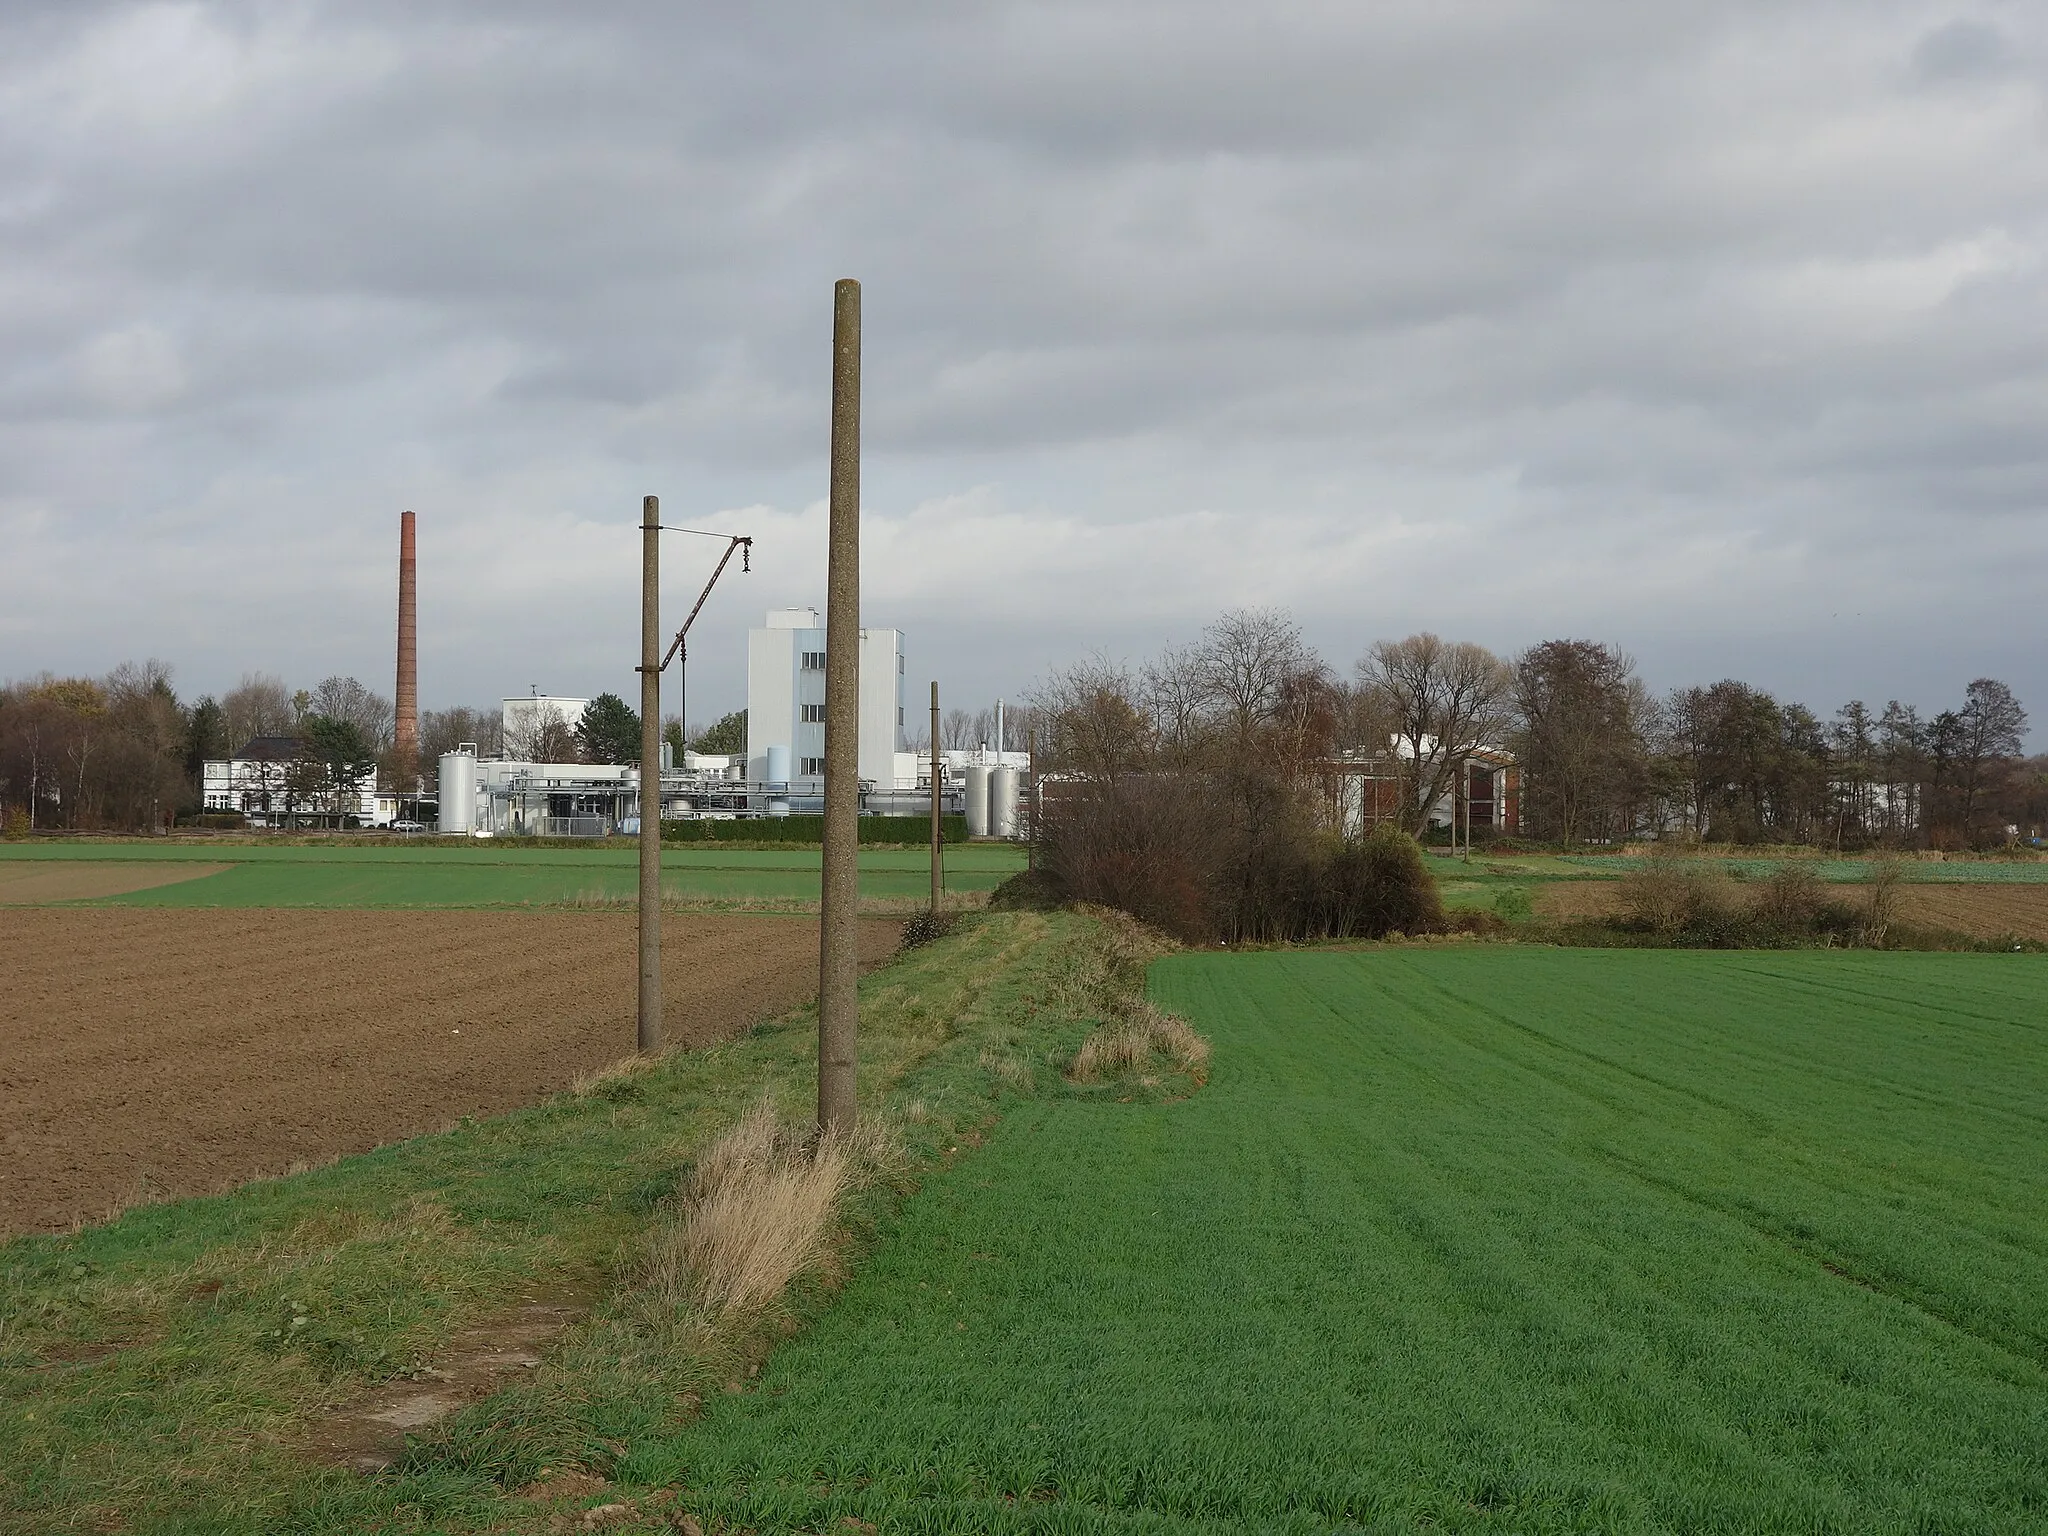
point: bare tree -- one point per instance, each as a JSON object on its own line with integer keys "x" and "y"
{"x": 956, "y": 729}
{"x": 345, "y": 699}
{"x": 443, "y": 730}
{"x": 1251, "y": 662}
{"x": 1902, "y": 768}
{"x": 260, "y": 705}
{"x": 151, "y": 728}
{"x": 1446, "y": 700}
{"x": 1175, "y": 694}
{"x": 1581, "y": 741}
{"x": 1090, "y": 722}
{"x": 541, "y": 735}
{"x": 1990, "y": 734}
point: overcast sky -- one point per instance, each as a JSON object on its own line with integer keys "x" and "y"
{"x": 1715, "y": 331}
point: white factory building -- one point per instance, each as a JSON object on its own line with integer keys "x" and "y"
{"x": 786, "y": 702}
{"x": 782, "y": 771}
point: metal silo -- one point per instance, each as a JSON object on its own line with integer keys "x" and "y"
{"x": 458, "y": 793}
{"x": 977, "y": 801}
{"x": 1002, "y": 801}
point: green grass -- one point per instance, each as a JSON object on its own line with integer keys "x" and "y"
{"x": 482, "y": 875}
{"x": 1502, "y": 1239}
{"x": 186, "y": 1427}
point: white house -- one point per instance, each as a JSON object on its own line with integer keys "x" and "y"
{"x": 269, "y": 781}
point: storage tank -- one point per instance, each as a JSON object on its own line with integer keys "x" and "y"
{"x": 778, "y": 766}
{"x": 977, "y": 801}
{"x": 1002, "y": 801}
{"x": 458, "y": 793}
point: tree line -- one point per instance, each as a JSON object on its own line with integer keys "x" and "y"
{"x": 125, "y": 752}
{"x": 1598, "y": 757}
{"x": 1601, "y": 759}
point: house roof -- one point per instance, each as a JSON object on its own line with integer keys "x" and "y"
{"x": 270, "y": 749}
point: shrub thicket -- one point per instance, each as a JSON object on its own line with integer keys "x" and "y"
{"x": 1207, "y": 864}
{"x": 1672, "y": 901}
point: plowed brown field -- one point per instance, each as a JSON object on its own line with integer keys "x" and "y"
{"x": 153, "y": 1053}
{"x": 22, "y": 881}
{"x": 1982, "y": 911}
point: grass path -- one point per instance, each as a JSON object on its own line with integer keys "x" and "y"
{"x": 1501, "y": 1239}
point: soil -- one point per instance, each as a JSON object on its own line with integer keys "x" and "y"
{"x": 148, "y": 1054}
{"x": 1574, "y": 898}
{"x": 25, "y": 882}
{"x": 1985, "y": 911}
{"x": 1982, "y": 911}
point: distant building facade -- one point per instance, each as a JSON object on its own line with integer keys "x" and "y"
{"x": 786, "y": 702}
{"x": 272, "y": 782}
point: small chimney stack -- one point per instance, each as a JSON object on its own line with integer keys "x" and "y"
{"x": 405, "y": 735}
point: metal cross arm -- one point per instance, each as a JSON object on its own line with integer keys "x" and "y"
{"x": 745, "y": 547}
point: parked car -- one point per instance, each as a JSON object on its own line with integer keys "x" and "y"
{"x": 408, "y": 826}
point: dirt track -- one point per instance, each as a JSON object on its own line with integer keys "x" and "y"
{"x": 154, "y": 1053}
{"x": 61, "y": 880}
{"x": 1982, "y": 911}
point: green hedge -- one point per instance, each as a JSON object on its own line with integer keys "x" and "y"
{"x": 811, "y": 829}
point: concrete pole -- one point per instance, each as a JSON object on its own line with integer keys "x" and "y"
{"x": 839, "y": 905}
{"x": 938, "y": 867}
{"x": 650, "y": 776}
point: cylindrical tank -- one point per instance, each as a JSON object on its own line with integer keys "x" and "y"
{"x": 458, "y": 793}
{"x": 1002, "y": 802}
{"x": 778, "y": 765}
{"x": 977, "y": 800}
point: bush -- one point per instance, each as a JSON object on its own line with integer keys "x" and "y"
{"x": 1150, "y": 845}
{"x": 1668, "y": 897}
{"x": 1791, "y": 900}
{"x": 1671, "y": 902}
{"x": 925, "y": 928}
{"x": 1379, "y": 886}
{"x": 215, "y": 821}
{"x": 1206, "y": 862}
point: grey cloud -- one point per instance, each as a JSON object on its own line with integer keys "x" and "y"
{"x": 1538, "y": 287}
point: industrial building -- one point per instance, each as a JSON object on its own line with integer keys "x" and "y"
{"x": 786, "y": 702}
{"x": 781, "y": 773}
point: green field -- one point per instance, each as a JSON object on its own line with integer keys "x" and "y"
{"x": 482, "y": 874}
{"x": 1475, "y": 1239}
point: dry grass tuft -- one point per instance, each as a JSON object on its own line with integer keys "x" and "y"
{"x": 607, "y": 1080}
{"x": 758, "y": 1211}
{"x": 1131, "y": 1044}
{"x": 1881, "y": 898}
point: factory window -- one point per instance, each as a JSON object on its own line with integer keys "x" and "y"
{"x": 814, "y": 661}
{"x": 814, "y": 714}
{"x": 812, "y": 766}
{"x": 899, "y": 663}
